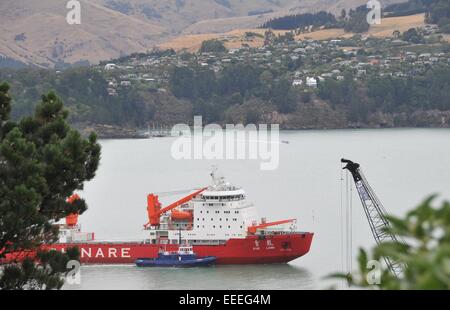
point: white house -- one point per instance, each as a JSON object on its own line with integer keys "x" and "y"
{"x": 311, "y": 82}
{"x": 297, "y": 82}
{"x": 110, "y": 66}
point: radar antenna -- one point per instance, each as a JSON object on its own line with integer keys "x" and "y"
{"x": 217, "y": 179}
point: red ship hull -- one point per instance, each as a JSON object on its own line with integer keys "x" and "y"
{"x": 251, "y": 250}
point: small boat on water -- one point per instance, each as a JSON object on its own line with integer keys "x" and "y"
{"x": 184, "y": 257}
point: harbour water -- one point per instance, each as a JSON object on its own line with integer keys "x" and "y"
{"x": 402, "y": 165}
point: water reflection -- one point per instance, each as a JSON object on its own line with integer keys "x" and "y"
{"x": 283, "y": 276}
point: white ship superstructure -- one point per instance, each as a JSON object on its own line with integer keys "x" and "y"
{"x": 216, "y": 214}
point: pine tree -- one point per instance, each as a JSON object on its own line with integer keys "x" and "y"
{"x": 42, "y": 162}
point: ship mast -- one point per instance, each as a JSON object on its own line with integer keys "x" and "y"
{"x": 375, "y": 213}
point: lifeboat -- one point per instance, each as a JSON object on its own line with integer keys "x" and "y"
{"x": 181, "y": 215}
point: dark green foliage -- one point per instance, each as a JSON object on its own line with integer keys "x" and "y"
{"x": 357, "y": 20}
{"x": 285, "y": 38}
{"x": 407, "y": 8}
{"x": 44, "y": 272}
{"x": 439, "y": 9}
{"x": 292, "y": 22}
{"x": 347, "y": 93}
{"x": 445, "y": 28}
{"x": 212, "y": 94}
{"x": 337, "y": 92}
{"x": 252, "y": 116}
{"x": 424, "y": 253}
{"x": 182, "y": 82}
{"x": 283, "y": 96}
{"x": 210, "y": 110}
{"x": 389, "y": 94}
{"x": 238, "y": 78}
{"x": 413, "y": 36}
{"x": 193, "y": 83}
{"x": 42, "y": 162}
{"x": 84, "y": 91}
{"x": 212, "y": 46}
{"x": 5, "y": 103}
{"x": 354, "y": 21}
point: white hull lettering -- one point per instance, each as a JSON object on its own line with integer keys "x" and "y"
{"x": 126, "y": 253}
{"x": 112, "y": 252}
{"x": 86, "y": 252}
{"x": 99, "y": 253}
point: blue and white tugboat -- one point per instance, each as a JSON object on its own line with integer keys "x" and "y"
{"x": 184, "y": 257}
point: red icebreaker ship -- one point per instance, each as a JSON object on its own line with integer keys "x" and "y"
{"x": 217, "y": 221}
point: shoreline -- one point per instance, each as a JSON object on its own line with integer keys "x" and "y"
{"x": 137, "y": 134}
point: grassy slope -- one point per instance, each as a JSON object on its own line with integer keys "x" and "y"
{"x": 234, "y": 38}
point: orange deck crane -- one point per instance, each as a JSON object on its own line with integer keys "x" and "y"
{"x": 154, "y": 207}
{"x": 252, "y": 229}
{"x": 72, "y": 219}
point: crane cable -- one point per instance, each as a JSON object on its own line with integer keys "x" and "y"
{"x": 348, "y": 224}
{"x": 351, "y": 229}
{"x": 341, "y": 218}
{"x": 347, "y": 264}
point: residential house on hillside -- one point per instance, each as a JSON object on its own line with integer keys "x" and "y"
{"x": 311, "y": 82}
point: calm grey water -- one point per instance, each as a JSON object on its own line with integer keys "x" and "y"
{"x": 402, "y": 165}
